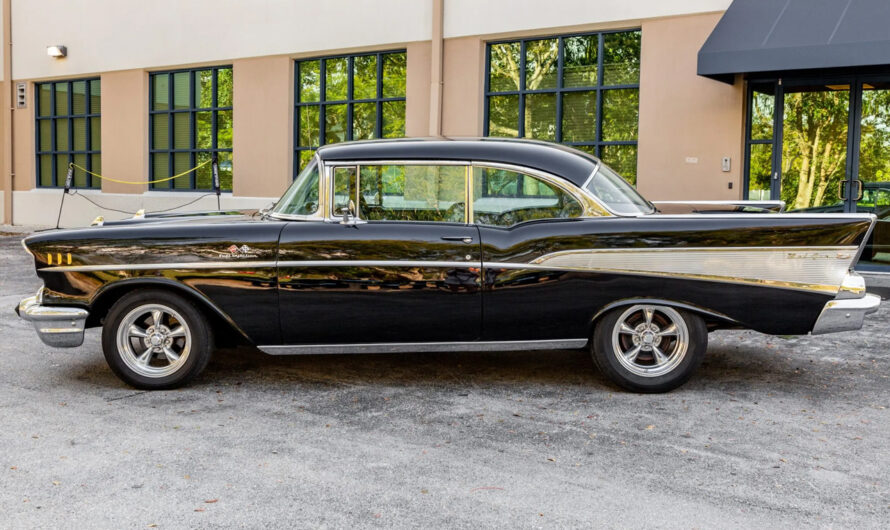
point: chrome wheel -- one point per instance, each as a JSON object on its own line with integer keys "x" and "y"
{"x": 153, "y": 340}
{"x": 650, "y": 340}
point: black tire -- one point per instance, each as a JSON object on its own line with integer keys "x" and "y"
{"x": 183, "y": 330}
{"x": 645, "y": 373}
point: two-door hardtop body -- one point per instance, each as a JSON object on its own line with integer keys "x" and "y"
{"x": 448, "y": 244}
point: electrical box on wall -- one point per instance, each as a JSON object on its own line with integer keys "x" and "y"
{"x": 726, "y": 164}
{"x": 21, "y": 95}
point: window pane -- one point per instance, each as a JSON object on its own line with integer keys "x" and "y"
{"x": 336, "y": 79}
{"x": 224, "y": 87}
{"x": 204, "y": 89}
{"x": 161, "y": 90}
{"x": 364, "y": 80}
{"x": 763, "y": 107}
{"x": 620, "y": 114}
{"x": 160, "y": 169}
{"x": 302, "y": 197}
{"x": 621, "y": 58}
{"x": 579, "y": 61}
{"x": 335, "y": 123}
{"x": 224, "y": 129}
{"x": 309, "y": 81}
{"x": 309, "y": 126}
{"x": 95, "y": 134}
{"x": 413, "y": 193}
{"x": 760, "y": 169}
{"x": 61, "y": 98}
{"x": 204, "y": 174}
{"x": 578, "y": 116}
{"x": 79, "y": 97}
{"x": 44, "y": 99}
{"x": 540, "y": 116}
{"x": 96, "y": 167}
{"x": 45, "y": 134}
{"x": 505, "y": 198}
{"x": 160, "y": 135}
{"x": 541, "y": 64}
{"x": 364, "y": 121}
{"x": 95, "y": 96}
{"x": 344, "y": 188}
{"x": 62, "y": 135}
{"x": 80, "y": 176}
{"x": 182, "y": 162}
{"x": 623, "y": 159}
{"x": 181, "y": 131}
{"x": 226, "y": 170}
{"x": 46, "y": 170}
{"x": 181, "y": 90}
{"x": 304, "y": 159}
{"x": 61, "y": 169}
{"x": 80, "y": 135}
{"x": 393, "y": 119}
{"x": 503, "y": 116}
{"x": 204, "y": 130}
{"x": 394, "y": 65}
{"x": 504, "y": 63}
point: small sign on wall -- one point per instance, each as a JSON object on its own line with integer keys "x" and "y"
{"x": 21, "y": 95}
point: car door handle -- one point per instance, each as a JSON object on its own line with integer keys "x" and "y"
{"x": 465, "y": 239}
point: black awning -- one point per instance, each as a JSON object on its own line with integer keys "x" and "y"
{"x": 783, "y": 35}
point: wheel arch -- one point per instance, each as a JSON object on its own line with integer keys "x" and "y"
{"x": 713, "y": 319}
{"x": 106, "y": 297}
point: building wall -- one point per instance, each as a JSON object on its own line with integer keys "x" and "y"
{"x": 687, "y": 123}
{"x": 681, "y": 115}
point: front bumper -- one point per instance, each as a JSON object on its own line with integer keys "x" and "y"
{"x": 845, "y": 314}
{"x": 57, "y": 326}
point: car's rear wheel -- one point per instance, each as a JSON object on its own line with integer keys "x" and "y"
{"x": 648, "y": 347}
{"x": 154, "y": 339}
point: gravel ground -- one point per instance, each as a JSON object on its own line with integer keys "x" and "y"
{"x": 771, "y": 432}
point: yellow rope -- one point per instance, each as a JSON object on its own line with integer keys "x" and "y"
{"x": 85, "y": 170}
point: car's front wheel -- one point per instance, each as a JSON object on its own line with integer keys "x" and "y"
{"x": 155, "y": 339}
{"x": 649, "y": 347}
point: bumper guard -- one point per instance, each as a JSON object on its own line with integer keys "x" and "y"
{"x": 57, "y": 326}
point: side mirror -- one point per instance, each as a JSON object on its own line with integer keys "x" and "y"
{"x": 264, "y": 211}
{"x": 349, "y": 217}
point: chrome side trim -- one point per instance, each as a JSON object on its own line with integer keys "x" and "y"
{"x": 419, "y": 347}
{"x": 379, "y": 263}
{"x": 845, "y": 314}
{"x": 57, "y": 326}
{"x": 820, "y": 269}
{"x": 234, "y": 264}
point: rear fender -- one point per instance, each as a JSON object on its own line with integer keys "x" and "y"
{"x": 705, "y": 313}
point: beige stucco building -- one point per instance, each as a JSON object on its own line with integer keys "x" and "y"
{"x": 681, "y": 128}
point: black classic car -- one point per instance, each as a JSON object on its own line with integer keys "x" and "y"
{"x": 445, "y": 245}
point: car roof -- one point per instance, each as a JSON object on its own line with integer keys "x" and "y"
{"x": 571, "y": 164}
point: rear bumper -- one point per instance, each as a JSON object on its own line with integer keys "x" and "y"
{"x": 845, "y": 314}
{"x": 57, "y": 326}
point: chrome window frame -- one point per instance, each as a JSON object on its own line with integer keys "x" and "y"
{"x": 330, "y": 216}
{"x": 318, "y": 215}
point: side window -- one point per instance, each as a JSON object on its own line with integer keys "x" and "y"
{"x": 413, "y": 193}
{"x": 344, "y": 188}
{"x": 302, "y": 197}
{"x": 505, "y": 198}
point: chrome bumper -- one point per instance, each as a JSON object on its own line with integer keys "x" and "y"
{"x": 845, "y": 314}
{"x": 57, "y": 326}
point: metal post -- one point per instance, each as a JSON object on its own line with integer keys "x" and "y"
{"x": 69, "y": 178}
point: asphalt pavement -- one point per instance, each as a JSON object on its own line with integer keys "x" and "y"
{"x": 771, "y": 432}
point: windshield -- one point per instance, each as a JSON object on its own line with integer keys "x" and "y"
{"x": 302, "y": 196}
{"x": 616, "y": 193}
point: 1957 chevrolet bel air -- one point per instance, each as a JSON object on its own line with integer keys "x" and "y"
{"x": 444, "y": 245}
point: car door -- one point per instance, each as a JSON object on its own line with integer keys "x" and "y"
{"x": 404, "y": 267}
{"x": 522, "y": 217}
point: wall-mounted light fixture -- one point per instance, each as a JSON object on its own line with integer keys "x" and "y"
{"x": 57, "y": 51}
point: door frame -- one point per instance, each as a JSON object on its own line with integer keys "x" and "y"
{"x": 854, "y": 131}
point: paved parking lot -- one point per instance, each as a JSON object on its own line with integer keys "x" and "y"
{"x": 772, "y": 431}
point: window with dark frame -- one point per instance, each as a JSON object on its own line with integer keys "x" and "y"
{"x": 581, "y": 90}
{"x": 190, "y": 119}
{"x": 347, "y": 97}
{"x": 69, "y": 130}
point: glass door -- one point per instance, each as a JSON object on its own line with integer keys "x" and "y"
{"x": 814, "y": 170}
{"x": 871, "y": 191}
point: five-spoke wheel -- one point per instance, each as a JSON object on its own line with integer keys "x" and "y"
{"x": 649, "y": 347}
{"x": 156, "y": 339}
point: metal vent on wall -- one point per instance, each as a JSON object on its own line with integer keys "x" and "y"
{"x": 21, "y": 100}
